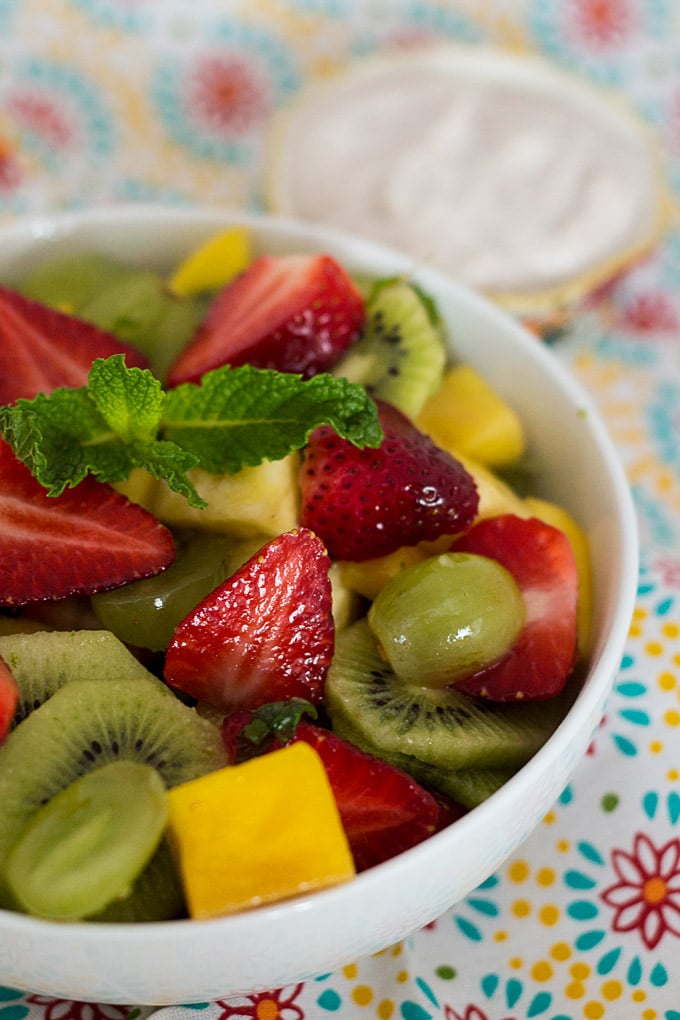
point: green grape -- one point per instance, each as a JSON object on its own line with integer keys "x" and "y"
{"x": 145, "y": 613}
{"x": 88, "y": 844}
{"x": 142, "y": 311}
{"x": 69, "y": 281}
{"x": 447, "y": 618}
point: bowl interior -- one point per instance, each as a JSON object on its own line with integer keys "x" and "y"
{"x": 193, "y": 962}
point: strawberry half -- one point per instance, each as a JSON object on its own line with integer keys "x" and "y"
{"x": 541, "y": 560}
{"x": 369, "y": 502}
{"x": 294, "y": 313}
{"x": 9, "y": 699}
{"x": 41, "y": 348}
{"x": 383, "y": 810}
{"x": 88, "y": 539}
{"x": 265, "y": 634}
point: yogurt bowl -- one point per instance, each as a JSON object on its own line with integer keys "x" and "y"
{"x": 268, "y": 947}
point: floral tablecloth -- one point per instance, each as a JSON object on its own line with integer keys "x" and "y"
{"x": 105, "y": 101}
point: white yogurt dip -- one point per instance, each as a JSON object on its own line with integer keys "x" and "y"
{"x": 500, "y": 170}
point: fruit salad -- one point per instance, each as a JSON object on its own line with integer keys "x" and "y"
{"x": 277, "y": 601}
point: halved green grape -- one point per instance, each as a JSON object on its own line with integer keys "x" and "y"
{"x": 145, "y": 613}
{"x": 141, "y": 310}
{"x": 447, "y": 618}
{"x": 85, "y": 847}
{"x": 66, "y": 282}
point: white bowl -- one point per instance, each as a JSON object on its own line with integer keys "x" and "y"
{"x": 190, "y": 961}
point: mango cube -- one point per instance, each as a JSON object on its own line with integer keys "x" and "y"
{"x": 495, "y": 495}
{"x": 467, "y": 414}
{"x": 258, "y": 832}
{"x": 213, "y": 264}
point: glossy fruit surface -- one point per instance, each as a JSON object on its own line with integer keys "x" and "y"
{"x": 145, "y": 613}
{"x": 540, "y": 558}
{"x": 266, "y": 634}
{"x": 368, "y": 503}
{"x": 447, "y": 618}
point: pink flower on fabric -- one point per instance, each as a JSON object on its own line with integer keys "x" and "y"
{"x": 42, "y": 115}
{"x": 647, "y": 896}
{"x": 276, "y": 1005}
{"x": 601, "y": 23}
{"x": 648, "y": 313}
{"x": 224, "y": 93}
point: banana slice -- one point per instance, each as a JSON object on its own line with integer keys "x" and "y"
{"x": 526, "y": 183}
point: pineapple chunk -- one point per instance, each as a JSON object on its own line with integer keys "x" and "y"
{"x": 139, "y": 487}
{"x": 368, "y": 577}
{"x": 260, "y": 500}
{"x": 553, "y": 514}
{"x": 466, "y": 413}
{"x": 213, "y": 264}
{"x": 495, "y": 496}
{"x": 347, "y": 602}
{"x": 259, "y": 832}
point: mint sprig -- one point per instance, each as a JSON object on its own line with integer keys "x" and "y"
{"x": 123, "y": 419}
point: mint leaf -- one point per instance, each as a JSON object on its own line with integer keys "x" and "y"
{"x": 168, "y": 462}
{"x": 122, "y": 419}
{"x": 130, "y": 400}
{"x": 239, "y": 417}
{"x": 61, "y": 438}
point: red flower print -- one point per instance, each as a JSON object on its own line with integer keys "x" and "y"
{"x": 600, "y": 24}
{"x": 39, "y": 114}
{"x": 648, "y": 313}
{"x": 224, "y": 93}
{"x": 277, "y": 1005}
{"x": 58, "y": 1009}
{"x": 669, "y": 570}
{"x": 471, "y": 1013}
{"x": 647, "y": 895}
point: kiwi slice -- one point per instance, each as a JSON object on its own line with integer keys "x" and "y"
{"x": 468, "y": 787}
{"x": 156, "y": 894}
{"x": 439, "y": 727}
{"x": 401, "y": 354}
{"x": 44, "y": 661}
{"x": 87, "y": 723}
{"x": 87, "y": 845}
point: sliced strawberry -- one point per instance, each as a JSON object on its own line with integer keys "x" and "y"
{"x": 294, "y": 313}
{"x": 383, "y": 810}
{"x": 265, "y": 634}
{"x": 41, "y": 349}
{"x": 369, "y": 502}
{"x": 88, "y": 539}
{"x": 9, "y": 699}
{"x": 540, "y": 559}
